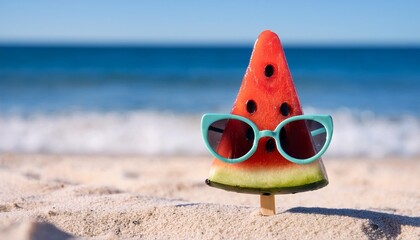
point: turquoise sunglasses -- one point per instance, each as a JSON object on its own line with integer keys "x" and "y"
{"x": 300, "y": 139}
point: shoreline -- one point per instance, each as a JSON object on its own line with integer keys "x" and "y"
{"x": 166, "y": 197}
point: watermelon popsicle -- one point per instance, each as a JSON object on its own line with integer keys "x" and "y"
{"x": 267, "y": 97}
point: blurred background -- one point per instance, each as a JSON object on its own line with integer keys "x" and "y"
{"x": 134, "y": 77}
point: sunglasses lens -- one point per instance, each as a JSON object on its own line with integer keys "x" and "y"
{"x": 230, "y": 138}
{"x": 303, "y": 139}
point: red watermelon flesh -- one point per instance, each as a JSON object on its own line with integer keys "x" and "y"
{"x": 267, "y": 96}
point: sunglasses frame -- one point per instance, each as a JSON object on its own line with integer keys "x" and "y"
{"x": 210, "y": 118}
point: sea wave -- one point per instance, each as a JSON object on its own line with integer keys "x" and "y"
{"x": 164, "y": 133}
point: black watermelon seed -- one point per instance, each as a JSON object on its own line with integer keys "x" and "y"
{"x": 251, "y": 106}
{"x": 284, "y": 109}
{"x": 270, "y": 145}
{"x": 269, "y": 70}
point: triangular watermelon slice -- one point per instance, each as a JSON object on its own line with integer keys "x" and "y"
{"x": 267, "y": 96}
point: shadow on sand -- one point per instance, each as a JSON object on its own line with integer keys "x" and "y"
{"x": 381, "y": 225}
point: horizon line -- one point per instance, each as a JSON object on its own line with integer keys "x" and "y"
{"x": 232, "y": 44}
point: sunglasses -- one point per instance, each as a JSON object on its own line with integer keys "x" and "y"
{"x": 300, "y": 139}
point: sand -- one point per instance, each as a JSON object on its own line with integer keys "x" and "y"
{"x": 110, "y": 197}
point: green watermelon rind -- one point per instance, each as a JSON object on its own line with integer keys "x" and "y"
{"x": 277, "y": 180}
{"x": 279, "y": 190}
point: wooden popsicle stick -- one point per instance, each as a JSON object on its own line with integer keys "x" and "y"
{"x": 268, "y": 204}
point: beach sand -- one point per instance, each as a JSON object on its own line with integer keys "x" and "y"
{"x": 109, "y": 197}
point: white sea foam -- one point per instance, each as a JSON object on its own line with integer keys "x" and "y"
{"x": 365, "y": 134}
{"x": 109, "y": 133}
{"x": 161, "y": 133}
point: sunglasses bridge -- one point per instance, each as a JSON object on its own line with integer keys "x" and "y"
{"x": 267, "y": 133}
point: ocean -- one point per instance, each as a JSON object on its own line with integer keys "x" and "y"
{"x": 149, "y": 100}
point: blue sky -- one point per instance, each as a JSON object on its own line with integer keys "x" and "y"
{"x": 296, "y": 22}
